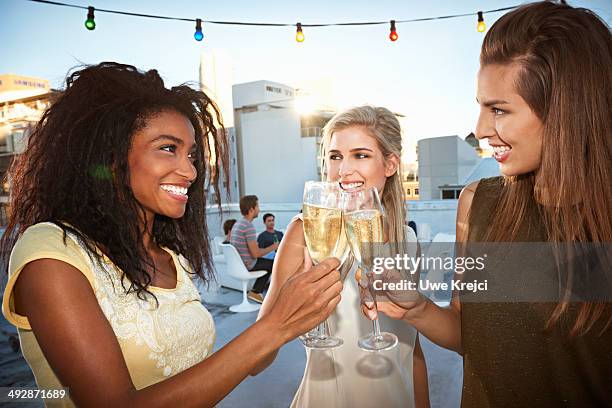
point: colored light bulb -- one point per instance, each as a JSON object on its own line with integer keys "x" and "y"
{"x": 90, "y": 23}
{"x": 481, "y": 27}
{"x": 299, "y": 35}
{"x": 198, "y": 35}
{"x": 393, "y": 35}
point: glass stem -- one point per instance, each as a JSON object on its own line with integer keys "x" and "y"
{"x": 375, "y": 325}
{"x": 376, "y": 330}
{"x": 323, "y": 330}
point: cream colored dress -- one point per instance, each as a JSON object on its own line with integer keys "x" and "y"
{"x": 350, "y": 377}
{"x": 156, "y": 342}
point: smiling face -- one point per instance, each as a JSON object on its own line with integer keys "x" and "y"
{"x": 355, "y": 160}
{"x": 510, "y": 126}
{"x": 161, "y": 164}
{"x": 269, "y": 222}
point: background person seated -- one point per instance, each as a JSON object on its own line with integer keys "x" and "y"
{"x": 244, "y": 239}
{"x": 269, "y": 236}
{"x": 227, "y": 229}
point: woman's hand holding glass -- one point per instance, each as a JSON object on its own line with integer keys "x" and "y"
{"x": 397, "y": 304}
{"x": 324, "y": 235}
{"x": 306, "y": 299}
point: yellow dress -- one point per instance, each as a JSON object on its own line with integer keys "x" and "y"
{"x": 156, "y": 342}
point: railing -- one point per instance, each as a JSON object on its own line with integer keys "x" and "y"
{"x": 431, "y": 217}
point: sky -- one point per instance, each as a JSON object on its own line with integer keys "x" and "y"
{"x": 428, "y": 75}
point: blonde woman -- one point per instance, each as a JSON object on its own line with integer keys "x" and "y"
{"x": 361, "y": 149}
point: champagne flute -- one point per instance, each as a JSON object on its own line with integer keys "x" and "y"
{"x": 322, "y": 220}
{"x": 363, "y": 216}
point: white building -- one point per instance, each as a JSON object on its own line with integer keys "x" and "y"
{"x": 444, "y": 163}
{"x": 261, "y": 92}
{"x": 216, "y": 81}
{"x": 276, "y": 145}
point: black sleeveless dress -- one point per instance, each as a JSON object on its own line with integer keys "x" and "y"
{"x": 509, "y": 359}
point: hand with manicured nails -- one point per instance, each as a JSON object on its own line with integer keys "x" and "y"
{"x": 306, "y": 299}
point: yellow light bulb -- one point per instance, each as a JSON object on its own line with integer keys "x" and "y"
{"x": 299, "y": 35}
{"x": 481, "y": 27}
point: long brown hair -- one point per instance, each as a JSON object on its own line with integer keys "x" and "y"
{"x": 565, "y": 56}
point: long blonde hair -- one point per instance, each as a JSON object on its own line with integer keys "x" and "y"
{"x": 381, "y": 124}
{"x": 565, "y": 55}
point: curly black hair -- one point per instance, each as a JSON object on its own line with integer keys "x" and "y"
{"x": 75, "y": 171}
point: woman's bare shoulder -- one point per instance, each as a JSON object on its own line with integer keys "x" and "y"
{"x": 295, "y": 230}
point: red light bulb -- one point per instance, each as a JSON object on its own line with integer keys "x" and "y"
{"x": 393, "y": 35}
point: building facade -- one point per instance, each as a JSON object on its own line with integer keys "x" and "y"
{"x": 18, "y": 117}
{"x": 216, "y": 81}
{"x": 410, "y": 180}
{"x": 446, "y": 164}
{"x": 277, "y": 146}
{"x": 18, "y": 86}
{"x": 23, "y": 100}
{"x": 443, "y": 161}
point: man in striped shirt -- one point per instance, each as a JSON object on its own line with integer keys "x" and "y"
{"x": 244, "y": 238}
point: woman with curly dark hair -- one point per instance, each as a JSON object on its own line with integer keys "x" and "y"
{"x": 106, "y": 231}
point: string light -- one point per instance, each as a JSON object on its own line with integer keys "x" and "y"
{"x": 90, "y": 23}
{"x": 299, "y": 34}
{"x": 481, "y": 27}
{"x": 393, "y": 35}
{"x": 198, "y": 32}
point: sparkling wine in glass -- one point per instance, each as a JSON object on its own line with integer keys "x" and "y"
{"x": 364, "y": 223}
{"x": 323, "y": 229}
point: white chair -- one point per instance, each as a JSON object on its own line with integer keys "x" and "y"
{"x": 216, "y": 245}
{"x": 217, "y": 252}
{"x": 223, "y": 279}
{"x": 424, "y": 234}
{"x": 237, "y": 270}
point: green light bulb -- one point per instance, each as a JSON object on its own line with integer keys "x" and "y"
{"x": 90, "y": 24}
